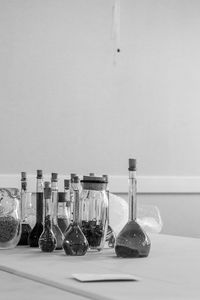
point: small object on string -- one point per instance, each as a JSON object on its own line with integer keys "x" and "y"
{"x": 115, "y": 35}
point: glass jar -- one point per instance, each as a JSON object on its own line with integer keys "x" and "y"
{"x": 94, "y": 211}
{"x": 10, "y": 219}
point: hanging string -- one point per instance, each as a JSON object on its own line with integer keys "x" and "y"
{"x": 115, "y": 35}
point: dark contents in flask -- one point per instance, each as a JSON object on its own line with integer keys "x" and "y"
{"x": 93, "y": 232}
{"x": 132, "y": 241}
{"x": 35, "y": 234}
{"x": 47, "y": 240}
{"x": 26, "y": 229}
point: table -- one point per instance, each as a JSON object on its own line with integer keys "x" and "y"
{"x": 172, "y": 271}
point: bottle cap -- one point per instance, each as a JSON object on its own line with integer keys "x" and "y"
{"x": 76, "y": 179}
{"x": 91, "y": 174}
{"x": 39, "y": 174}
{"x": 54, "y": 177}
{"x": 132, "y": 164}
{"x": 94, "y": 183}
{"x": 94, "y": 179}
{"x": 23, "y": 176}
{"x": 62, "y": 197}
{"x": 47, "y": 184}
{"x": 66, "y": 184}
{"x": 47, "y": 193}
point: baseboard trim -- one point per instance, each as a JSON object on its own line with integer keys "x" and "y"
{"x": 119, "y": 184}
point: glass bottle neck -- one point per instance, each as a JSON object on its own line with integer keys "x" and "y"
{"x": 76, "y": 206}
{"x": 55, "y": 206}
{"x": 47, "y": 220}
{"x": 39, "y": 207}
{"x": 132, "y": 196}
{"x": 39, "y": 185}
{"x": 23, "y": 186}
{"x": 54, "y": 185}
{"x": 23, "y": 198}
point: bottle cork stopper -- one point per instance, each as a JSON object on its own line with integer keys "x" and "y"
{"x": 72, "y": 175}
{"x": 39, "y": 174}
{"x": 132, "y": 164}
{"x": 66, "y": 184}
{"x": 76, "y": 179}
{"x": 54, "y": 177}
{"x": 47, "y": 184}
{"x": 62, "y": 197}
{"x": 23, "y": 176}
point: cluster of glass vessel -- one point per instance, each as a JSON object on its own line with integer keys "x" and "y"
{"x": 75, "y": 220}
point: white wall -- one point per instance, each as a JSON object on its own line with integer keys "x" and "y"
{"x": 65, "y": 107}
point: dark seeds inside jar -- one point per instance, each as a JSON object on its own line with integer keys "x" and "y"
{"x": 8, "y": 228}
{"x": 93, "y": 232}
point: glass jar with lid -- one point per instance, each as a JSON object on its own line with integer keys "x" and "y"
{"x": 10, "y": 218}
{"x": 94, "y": 211}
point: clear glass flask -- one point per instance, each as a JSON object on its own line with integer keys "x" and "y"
{"x": 26, "y": 228}
{"x": 75, "y": 242}
{"x": 110, "y": 235}
{"x": 38, "y": 228}
{"x": 47, "y": 240}
{"x": 56, "y": 230}
{"x": 132, "y": 240}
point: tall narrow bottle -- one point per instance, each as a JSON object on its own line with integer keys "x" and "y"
{"x": 38, "y": 228}
{"x": 56, "y": 230}
{"x": 64, "y": 207}
{"x": 26, "y": 228}
{"x": 72, "y": 175}
{"x": 75, "y": 242}
{"x": 110, "y": 236}
{"x": 47, "y": 240}
{"x": 132, "y": 241}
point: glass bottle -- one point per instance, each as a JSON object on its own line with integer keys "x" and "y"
{"x": 110, "y": 236}
{"x": 63, "y": 210}
{"x": 10, "y": 221}
{"x": 72, "y": 175}
{"x": 94, "y": 211}
{"x": 47, "y": 240}
{"x": 38, "y": 228}
{"x": 132, "y": 241}
{"x": 56, "y": 230}
{"x": 26, "y": 228}
{"x": 75, "y": 242}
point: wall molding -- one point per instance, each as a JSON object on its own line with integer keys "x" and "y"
{"x": 119, "y": 184}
